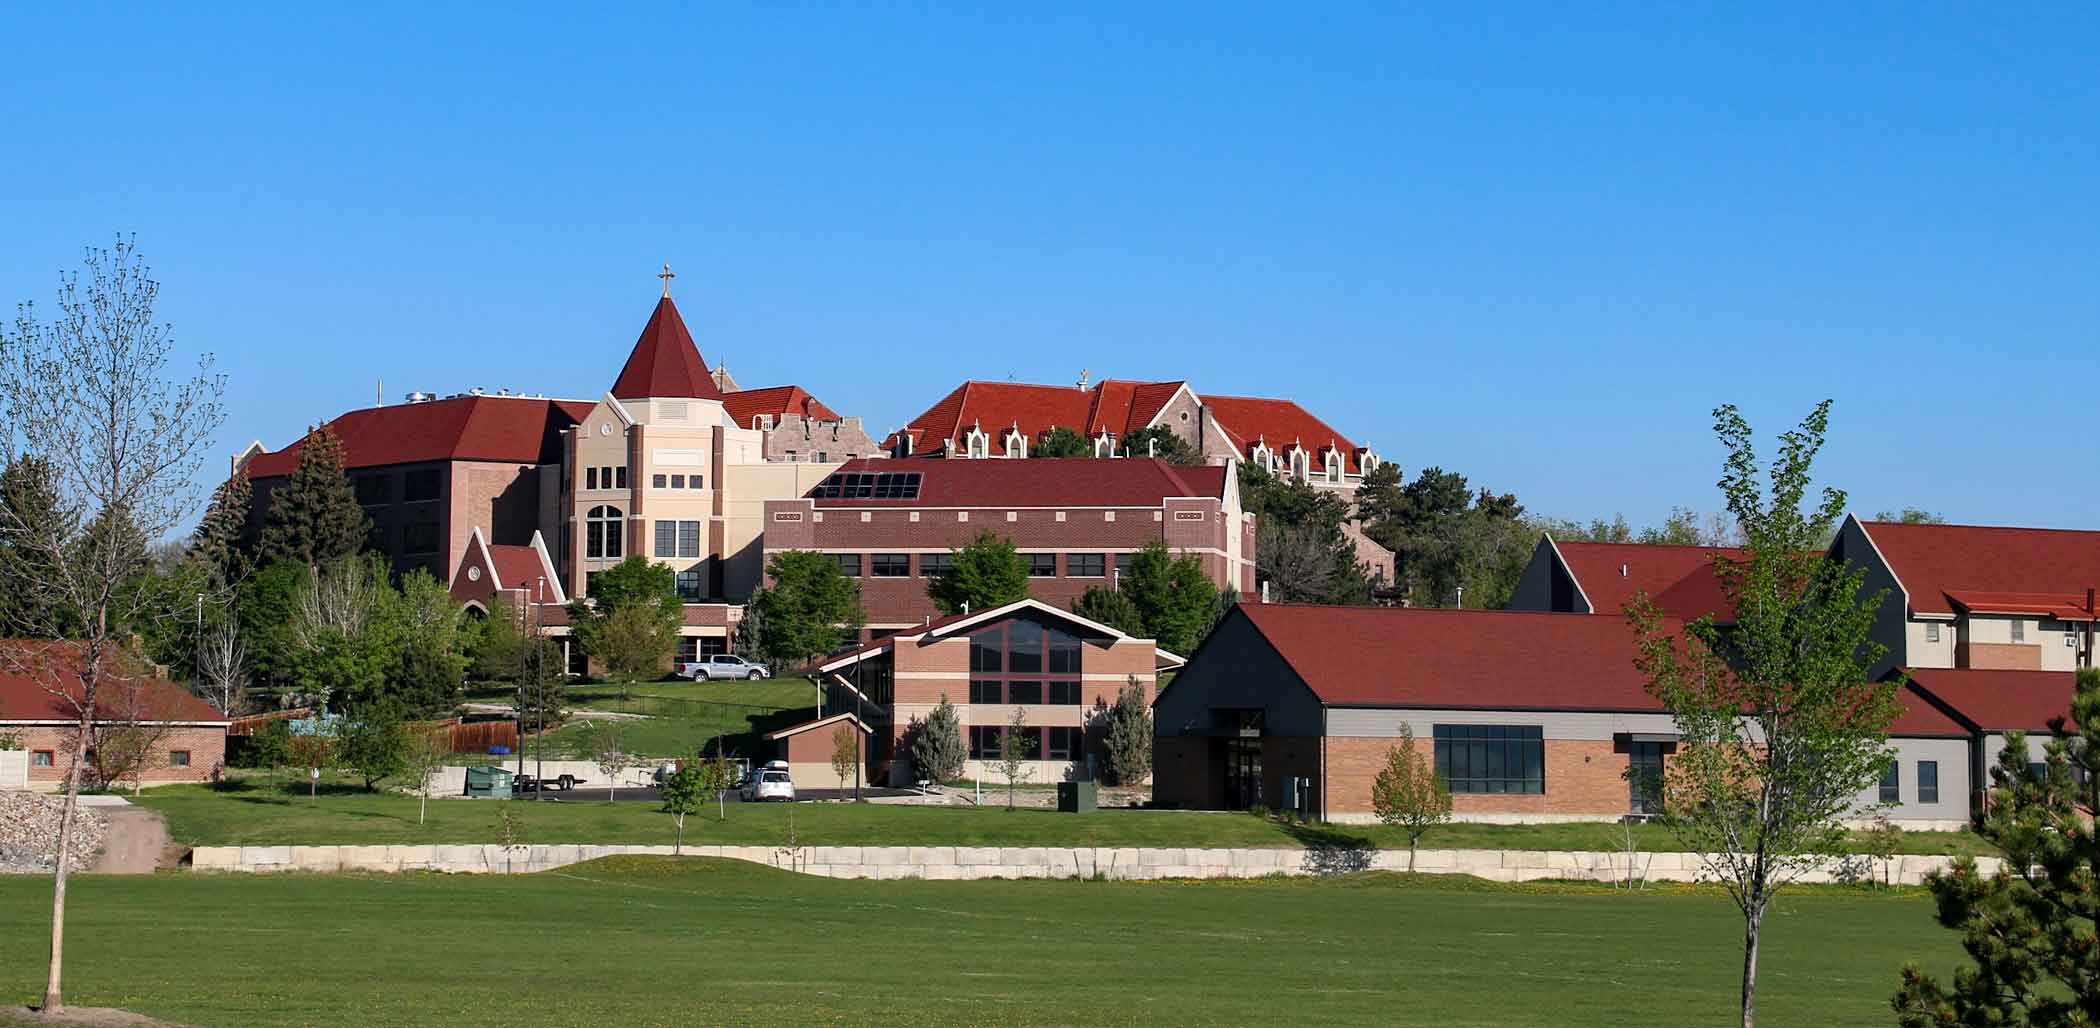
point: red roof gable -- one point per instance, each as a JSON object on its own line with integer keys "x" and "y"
{"x": 1280, "y": 423}
{"x": 34, "y": 665}
{"x": 1999, "y": 701}
{"x": 774, "y": 401}
{"x": 517, "y": 566}
{"x": 1934, "y": 560}
{"x": 509, "y": 429}
{"x": 665, "y": 362}
{"x": 1116, "y": 406}
{"x": 2061, "y": 606}
{"x": 1041, "y": 482}
{"x": 1679, "y": 579}
{"x": 1424, "y": 657}
{"x": 1921, "y": 718}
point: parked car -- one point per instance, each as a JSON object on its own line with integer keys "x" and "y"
{"x": 720, "y": 666}
{"x": 770, "y": 783}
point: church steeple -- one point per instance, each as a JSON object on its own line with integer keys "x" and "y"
{"x": 665, "y": 362}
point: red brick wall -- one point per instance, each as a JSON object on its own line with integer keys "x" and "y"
{"x": 206, "y": 746}
{"x": 1583, "y": 777}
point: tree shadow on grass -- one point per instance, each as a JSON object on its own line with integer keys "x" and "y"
{"x": 1331, "y": 851}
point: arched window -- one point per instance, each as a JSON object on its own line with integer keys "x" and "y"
{"x": 605, "y": 527}
{"x": 1298, "y": 465}
{"x": 979, "y": 444}
{"x": 1016, "y": 443}
{"x": 1334, "y": 465}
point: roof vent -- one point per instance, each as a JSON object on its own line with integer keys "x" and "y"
{"x": 1622, "y": 571}
{"x": 420, "y": 397}
{"x": 477, "y": 391}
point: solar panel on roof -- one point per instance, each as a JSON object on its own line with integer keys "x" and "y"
{"x": 868, "y": 485}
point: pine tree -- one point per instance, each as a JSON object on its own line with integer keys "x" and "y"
{"x": 314, "y": 519}
{"x": 222, "y": 544}
{"x": 937, "y": 752}
{"x": 30, "y": 510}
{"x": 1127, "y": 735}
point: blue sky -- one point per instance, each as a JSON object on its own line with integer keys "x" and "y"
{"x": 1533, "y": 245}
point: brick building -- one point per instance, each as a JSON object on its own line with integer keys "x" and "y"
{"x": 189, "y": 742}
{"x": 892, "y": 524}
{"x": 1053, "y": 666}
{"x": 1528, "y": 716}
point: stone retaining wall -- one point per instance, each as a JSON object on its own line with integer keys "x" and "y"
{"x": 972, "y": 862}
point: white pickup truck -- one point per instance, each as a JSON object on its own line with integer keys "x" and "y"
{"x": 721, "y": 666}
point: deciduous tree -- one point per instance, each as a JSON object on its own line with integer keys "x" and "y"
{"x": 1173, "y": 596}
{"x": 1016, "y": 750}
{"x": 427, "y": 749}
{"x": 90, "y": 395}
{"x": 987, "y": 573}
{"x": 630, "y": 625}
{"x": 683, "y": 793}
{"x": 1061, "y": 442}
{"x": 609, "y": 753}
{"x": 845, "y": 755}
{"x": 1161, "y": 442}
{"x": 811, "y": 608}
{"x": 1409, "y": 794}
{"x": 1111, "y": 607}
{"x": 1781, "y": 726}
{"x": 375, "y": 744}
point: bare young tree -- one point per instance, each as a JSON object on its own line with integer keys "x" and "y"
{"x": 609, "y": 752}
{"x": 340, "y": 599}
{"x": 91, "y": 395}
{"x": 222, "y": 665}
{"x": 429, "y": 747}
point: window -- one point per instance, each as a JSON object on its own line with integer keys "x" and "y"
{"x": 2019, "y": 630}
{"x": 849, "y": 564}
{"x": 1892, "y": 784}
{"x": 868, "y": 485}
{"x": 1024, "y": 647}
{"x": 819, "y": 457}
{"x": 934, "y": 565}
{"x": 1063, "y": 743}
{"x": 1928, "y": 781}
{"x": 987, "y": 650}
{"x": 1492, "y": 758}
{"x": 984, "y": 741}
{"x": 689, "y": 538}
{"x": 890, "y": 565}
{"x": 43, "y": 758}
{"x": 1027, "y": 691}
{"x": 657, "y": 481}
{"x": 667, "y": 538}
{"x": 693, "y": 482}
{"x": 677, "y": 481}
{"x": 1064, "y": 693}
{"x": 1042, "y": 565}
{"x": 1086, "y": 565}
{"x": 689, "y": 584}
{"x": 1932, "y": 631}
{"x": 420, "y": 485}
{"x": 791, "y": 456}
{"x": 620, "y": 474}
{"x": 419, "y": 537}
{"x": 1007, "y": 664}
{"x": 590, "y": 478}
{"x": 1123, "y": 564}
{"x": 374, "y": 489}
{"x": 603, "y": 528}
{"x": 986, "y": 691}
{"x": 178, "y": 758}
{"x": 1064, "y": 653}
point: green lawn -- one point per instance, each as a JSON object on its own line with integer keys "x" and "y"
{"x": 683, "y": 716}
{"x": 259, "y": 813}
{"x": 677, "y": 942}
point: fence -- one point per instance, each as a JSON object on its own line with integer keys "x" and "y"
{"x": 481, "y": 736}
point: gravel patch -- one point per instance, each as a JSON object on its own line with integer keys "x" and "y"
{"x": 29, "y": 833}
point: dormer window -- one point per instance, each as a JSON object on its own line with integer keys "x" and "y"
{"x": 1301, "y": 465}
{"x": 1367, "y": 462}
{"x": 1104, "y": 444}
{"x": 1016, "y": 444}
{"x": 977, "y": 444}
{"x": 1334, "y": 466}
{"x": 1262, "y": 457}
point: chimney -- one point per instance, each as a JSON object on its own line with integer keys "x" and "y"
{"x": 1265, "y": 592}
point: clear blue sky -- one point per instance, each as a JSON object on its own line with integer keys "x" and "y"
{"x": 1533, "y": 246}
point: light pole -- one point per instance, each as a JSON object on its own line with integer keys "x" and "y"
{"x": 539, "y": 680}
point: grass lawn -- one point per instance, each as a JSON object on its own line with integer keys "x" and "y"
{"x": 683, "y": 716}
{"x": 677, "y": 942}
{"x": 258, "y": 813}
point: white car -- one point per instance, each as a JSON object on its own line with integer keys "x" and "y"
{"x": 720, "y": 666}
{"x": 769, "y": 783}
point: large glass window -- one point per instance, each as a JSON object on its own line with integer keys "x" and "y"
{"x": 667, "y": 538}
{"x": 1024, "y": 661}
{"x": 1124, "y": 562}
{"x": 689, "y": 587}
{"x": 890, "y": 565}
{"x": 419, "y": 537}
{"x": 986, "y": 691}
{"x": 984, "y": 741}
{"x": 849, "y": 564}
{"x": 1042, "y": 565}
{"x": 1065, "y": 693}
{"x": 933, "y": 565}
{"x": 1928, "y": 781}
{"x": 1892, "y": 784}
{"x": 1492, "y": 758}
{"x": 1086, "y": 565}
{"x": 1063, "y": 743}
{"x": 1024, "y": 647}
{"x": 374, "y": 489}
{"x": 1025, "y": 690}
{"x": 420, "y": 485}
{"x": 604, "y": 530}
{"x": 689, "y": 538}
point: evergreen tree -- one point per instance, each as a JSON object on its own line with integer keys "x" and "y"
{"x": 314, "y": 518}
{"x": 1127, "y": 735}
{"x": 1111, "y": 607}
{"x": 1061, "y": 442}
{"x": 222, "y": 544}
{"x": 2032, "y": 935}
{"x": 937, "y": 752}
{"x": 1161, "y": 442}
{"x": 987, "y": 573}
{"x": 29, "y": 494}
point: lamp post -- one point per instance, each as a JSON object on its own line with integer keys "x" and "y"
{"x": 539, "y": 681}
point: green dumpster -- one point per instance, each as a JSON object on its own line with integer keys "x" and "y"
{"x": 489, "y": 781}
{"x": 1075, "y": 797}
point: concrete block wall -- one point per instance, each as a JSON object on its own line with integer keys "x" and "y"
{"x": 958, "y": 863}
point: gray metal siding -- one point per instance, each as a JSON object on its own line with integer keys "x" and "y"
{"x": 1237, "y": 668}
{"x": 1953, "y": 758}
{"x": 1852, "y": 543}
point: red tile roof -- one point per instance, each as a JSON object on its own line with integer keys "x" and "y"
{"x": 509, "y": 429}
{"x": 665, "y": 362}
{"x": 1249, "y": 420}
{"x": 1998, "y": 701}
{"x": 1921, "y": 718}
{"x": 1934, "y": 560}
{"x": 517, "y": 566}
{"x": 996, "y": 407}
{"x": 1041, "y": 482}
{"x": 774, "y": 401}
{"x": 2061, "y": 606}
{"x": 1679, "y": 579}
{"x": 1424, "y": 657}
{"x": 28, "y": 667}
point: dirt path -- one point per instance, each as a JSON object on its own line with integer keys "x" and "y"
{"x": 137, "y": 842}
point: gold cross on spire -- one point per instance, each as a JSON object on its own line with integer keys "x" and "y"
{"x": 667, "y": 275}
